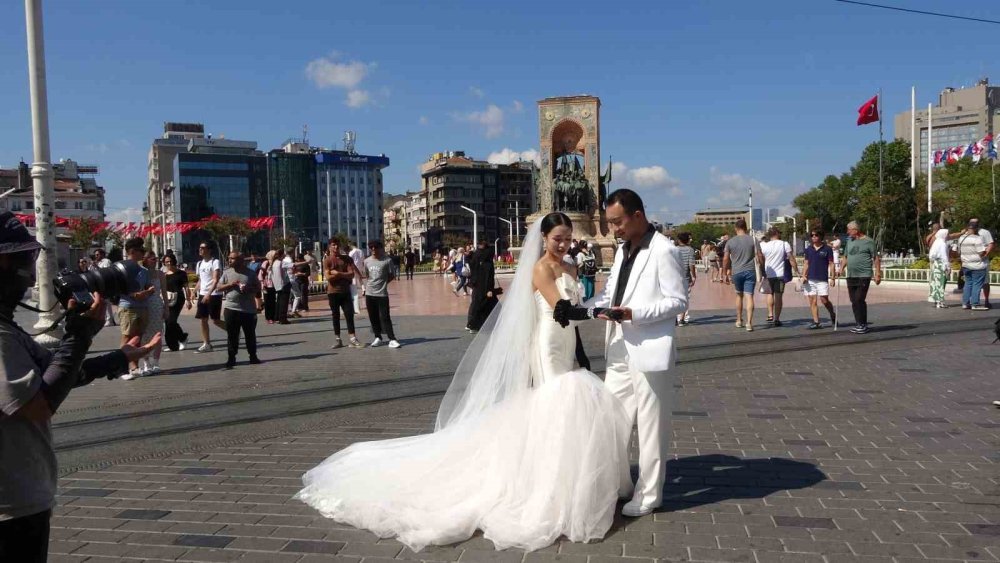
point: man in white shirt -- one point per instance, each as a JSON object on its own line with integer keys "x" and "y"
{"x": 358, "y": 257}
{"x": 987, "y": 238}
{"x": 101, "y": 261}
{"x": 773, "y": 254}
{"x": 209, "y": 298}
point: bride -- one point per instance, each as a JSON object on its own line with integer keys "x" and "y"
{"x": 526, "y": 448}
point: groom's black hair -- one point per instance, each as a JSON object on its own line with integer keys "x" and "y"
{"x": 629, "y": 200}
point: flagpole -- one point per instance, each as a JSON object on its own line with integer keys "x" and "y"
{"x": 930, "y": 155}
{"x": 913, "y": 138}
{"x": 881, "y": 110}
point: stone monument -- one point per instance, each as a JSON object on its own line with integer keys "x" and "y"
{"x": 570, "y": 179}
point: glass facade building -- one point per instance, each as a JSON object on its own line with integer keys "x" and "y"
{"x": 292, "y": 178}
{"x": 220, "y": 184}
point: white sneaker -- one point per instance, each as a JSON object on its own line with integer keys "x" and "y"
{"x": 152, "y": 366}
{"x": 376, "y": 342}
{"x": 206, "y": 347}
{"x": 394, "y": 344}
{"x": 132, "y": 374}
{"x": 181, "y": 347}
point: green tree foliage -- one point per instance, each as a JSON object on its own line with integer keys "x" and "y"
{"x": 965, "y": 190}
{"x": 221, "y": 228}
{"x": 701, "y": 232}
{"x": 83, "y": 232}
{"x": 889, "y": 212}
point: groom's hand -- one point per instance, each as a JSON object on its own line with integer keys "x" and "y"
{"x": 624, "y": 313}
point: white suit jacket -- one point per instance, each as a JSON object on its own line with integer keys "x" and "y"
{"x": 656, "y": 293}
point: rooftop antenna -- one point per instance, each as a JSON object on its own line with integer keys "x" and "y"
{"x": 305, "y": 134}
{"x": 350, "y": 137}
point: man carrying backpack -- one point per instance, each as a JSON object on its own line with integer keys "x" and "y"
{"x": 586, "y": 264}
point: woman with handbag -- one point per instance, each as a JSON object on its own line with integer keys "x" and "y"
{"x": 176, "y": 284}
{"x": 270, "y": 297}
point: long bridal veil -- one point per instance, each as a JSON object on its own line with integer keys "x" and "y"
{"x": 496, "y": 366}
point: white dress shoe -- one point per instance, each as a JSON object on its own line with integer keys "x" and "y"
{"x": 633, "y": 509}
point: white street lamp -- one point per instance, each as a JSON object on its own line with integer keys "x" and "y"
{"x": 475, "y": 225}
{"x": 510, "y": 232}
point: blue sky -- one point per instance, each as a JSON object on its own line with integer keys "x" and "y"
{"x": 699, "y": 99}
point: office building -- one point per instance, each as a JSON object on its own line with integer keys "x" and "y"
{"x": 291, "y": 173}
{"x": 349, "y": 194}
{"x": 219, "y": 177}
{"x": 451, "y": 181}
{"x": 722, "y": 217}
{"x": 961, "y": 116}
{"x": 159, "y": 206}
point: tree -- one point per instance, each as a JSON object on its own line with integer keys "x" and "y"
{"x": 83, "y": 232}
{"x": 701, "y": 232}
{"x": 966, "y": 191}
{"x": 220, "y": 229}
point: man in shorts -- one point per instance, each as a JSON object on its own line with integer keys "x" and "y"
{"x": 739, "y": 265}
{"x": 776, "y": 255}
{"x": 817, "y": 277}
{"x": 209, "y": 297}
{"x": 133, "y": 312}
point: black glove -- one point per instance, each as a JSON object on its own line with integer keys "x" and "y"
{"x": 564, "y": 312}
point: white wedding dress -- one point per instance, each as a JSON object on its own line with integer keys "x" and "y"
{"x": 546, "y": 462}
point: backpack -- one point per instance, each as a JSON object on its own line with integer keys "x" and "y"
{"x": 588, "y": 267}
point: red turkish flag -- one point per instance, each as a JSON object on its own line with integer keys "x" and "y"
{"x": 868, "y": 112}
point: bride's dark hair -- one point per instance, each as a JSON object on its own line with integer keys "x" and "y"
{"x": 553, "y": 220}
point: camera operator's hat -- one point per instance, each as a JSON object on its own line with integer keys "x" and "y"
{"x": 14, "y": 236}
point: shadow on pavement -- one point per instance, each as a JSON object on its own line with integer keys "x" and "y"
{"x": 707, "y": 479}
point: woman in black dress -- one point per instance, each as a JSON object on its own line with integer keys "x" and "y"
{"x": 484, "y": 289}
{"x": 177, "y": 288}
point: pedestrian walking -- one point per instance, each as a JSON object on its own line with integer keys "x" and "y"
{"x": 740, "y": 265}
{"x": 176, "y": 283}
{"x": 409, "y": 262}
{"x": 378, "y": 275}
{"x": 133, "y": 310}
{"x": 340, "y": 276}
{"x": 990, "y": 245}
{"x": 777, "y": 257}
{"x": 714, "y": 268}
{"x": 484, "y": 288}
{"x": 239, "y": 285}
{"x": 686, "y": 254}
{"x": 157, "y": 314}
{"x": 462, "y": 272}
{"x": 209, "y": 297}
{"x": 101, "y": 260}
{"x": 818, "y": 275}
{"x": 586, "y": 267}
{"x": 972, "y": 251}
{"x": 940, "y": 266}
{"x": 264, "y": 276}
{"x": 862, "y": 263}
{"x": 282, "y": 285}
{"x": 358, "y": 257}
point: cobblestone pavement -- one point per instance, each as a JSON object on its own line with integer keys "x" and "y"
{"x": 876, "y": 448}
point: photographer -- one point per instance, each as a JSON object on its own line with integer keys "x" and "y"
{"x": 34, "y": 381}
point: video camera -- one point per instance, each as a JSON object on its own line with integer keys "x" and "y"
{"x": 111, "y": 283}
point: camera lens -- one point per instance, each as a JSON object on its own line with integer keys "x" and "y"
{"x": 111, "y": 282}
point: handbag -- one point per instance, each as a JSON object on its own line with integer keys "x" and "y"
{"x": 172, "y": 298}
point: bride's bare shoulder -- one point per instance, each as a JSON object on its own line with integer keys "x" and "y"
{"x": 543, "y": 272}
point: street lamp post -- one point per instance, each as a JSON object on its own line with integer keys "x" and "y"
{"x": 510, "y": 232}
{"x": 475, "y": 225}
{"x": 41, "y": 173}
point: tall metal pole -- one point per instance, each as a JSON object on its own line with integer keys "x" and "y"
{"x": 41, "y": 173}
{"x": 880, "y": 142}
{"x": 930, "y": 155}
{"x": 329, "y": 218}
{"x": 517, "y": 219}
{"x": 914, "y": 155}
{"x": 284, "y": 230}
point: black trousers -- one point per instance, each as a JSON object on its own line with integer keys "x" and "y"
{"x": 338, "y": 302}
{"x": 235, "y": 322}
{"x": 857, "y": 289}
{"x": 172, "y": 332}
{"x": 281, "y": 305}
{"x": 25, "y": 539}
{"x": 409, "y": 272}
{"x": 304, "y": 289}
{"x": 378, "y": 314}
{"x": 270, "y": 301}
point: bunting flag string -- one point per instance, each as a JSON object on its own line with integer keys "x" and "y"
{"x": 983, "y": 148}
{"x": 144, "y": 229}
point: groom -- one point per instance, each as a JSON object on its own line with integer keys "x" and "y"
{"x": 645, "y": 290}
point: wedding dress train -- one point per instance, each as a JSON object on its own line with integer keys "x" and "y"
{"x": 546, "y": 462}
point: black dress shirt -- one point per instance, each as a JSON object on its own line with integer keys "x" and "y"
{"x": 626, "y": 268}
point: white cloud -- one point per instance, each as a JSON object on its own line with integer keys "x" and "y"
{"x": 654, "y": 180}
{"x": 518, "y": 107}
{"x": 358, "y": 98}
{"x": 101, "y": 148}
{"x": 507, "y": 156}
{"x": 328, "y": 72}
{"x": 731, "y": 189}
{"x": 490, "y": 120}
{"x": 477, "y": 92}
{"x": 423, "y": 120}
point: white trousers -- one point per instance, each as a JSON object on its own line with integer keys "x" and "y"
{"x": 648, "y": 398}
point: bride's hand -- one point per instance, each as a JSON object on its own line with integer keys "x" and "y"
{"x": 625, "y": 313}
